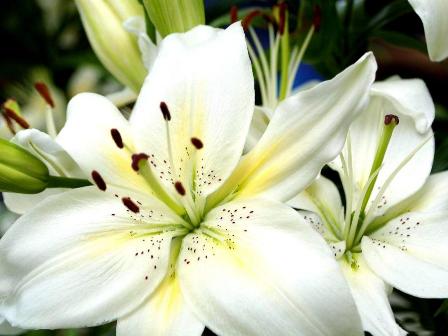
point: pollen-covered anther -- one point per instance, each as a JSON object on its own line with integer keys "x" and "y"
{"x": 179, "y": 188}
{"x": 197, "y": 143}
{"x": 233, "y": 14}
{"x": 136, "y": 158}
{"x": 11, "y": 114}
{"x": 129, "y": 203}
{"x": 165, "y": 111}
{"x": 44, "y": 92}
{"x": 317, "y": 17}
{"x": 99, "y": 181}
{"x": 389, "y": 118}
{"x": 116, "y": 136}
{"x": 249, "y": 17}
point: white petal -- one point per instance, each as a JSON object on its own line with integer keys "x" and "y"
{"x": 57, "y": 160}
{"x": 370, "y": 294}
{"x": 306, "y": 131}
{"x": 411, "y": 253}
{"x": 205, "y": 78}
{"x": 260, "y": 121}
{"x": 7, "y": 329}
{"x": 409, "y": 97}
{"x": 86, "y": 136}
{"x": 433, "y": 197}
{"x": 164, "y": 313}
{"x": 258, "y": 269}
{"x": 321, "y": 197}
{"x": 136, "y": 25}
{"x": 433, "y": 15}
{"x": 81, "y": 259}
{"x": 411, "y": 102}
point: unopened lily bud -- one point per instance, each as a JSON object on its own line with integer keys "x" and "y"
{"x": 116, "y": 48}
{"x": 175, "y": 16}
{"x": 21, "y": 171}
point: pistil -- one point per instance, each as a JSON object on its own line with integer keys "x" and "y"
{"x": 390, "y": 122}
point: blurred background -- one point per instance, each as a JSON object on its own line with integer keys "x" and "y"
{"x": 43, "y": 40}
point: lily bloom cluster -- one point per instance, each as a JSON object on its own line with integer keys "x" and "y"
{"x": 180, "y": 231}
{"x": 205, "y": 210}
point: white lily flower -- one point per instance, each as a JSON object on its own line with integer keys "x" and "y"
{"x": 433, "y": 15}
{"x": 393, "y": 230}
{"x": 182, "y": 232}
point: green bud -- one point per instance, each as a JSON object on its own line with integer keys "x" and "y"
{"x": 21, "y": 171}
{"x": 116, "y": 48}
{"x": 175, "y": 16}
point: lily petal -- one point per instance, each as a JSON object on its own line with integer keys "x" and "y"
{"x": 370, "y": 294}
{"x": 411, "y": 253}
{"x": 260, "y": 121}
{"x": 409, "y": 97}
{"x": 7, "y": 329}
{"x": 245, "y": 266}
{"x": 205, "y": 79}
{"x": 165, "y": 312}
{"x": 433, "y": 15}
{"x": 306, "y": 131}
{"x": 58, "y": 162}
{"x": 323, "y": 198}
{"x": 148, "y": 49}
{"x": 82, "y": 259}
{"x": 433, "y": 197}
{"x": 87, "y": 137}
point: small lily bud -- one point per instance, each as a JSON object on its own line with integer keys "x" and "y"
{"x": 116, "y": 48}
{"x": 175, "y": 16}
{"x": 21, "y": 171}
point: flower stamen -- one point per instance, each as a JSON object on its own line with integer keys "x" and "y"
{"x": 129, "y": 203}
{"x": 179, "y": 188}
{"x": 99, "y": 181}
{"x": 197, "y": 143}
{"x": 116, "y": 136}
{"x": 44, "y": 92}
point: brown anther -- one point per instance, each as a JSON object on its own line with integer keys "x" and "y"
{"x": 197, "y": 143}
{"x": 317, "y": 17}
{"x": 44, "y": 92}
{"x": 179, "y": 188}
{"x": 136, "y": 158}
{"x": 11, "y": 114}
{"x": 129, "y": 203}
{"x": 282, "y": 17}
{"x": 249, "y": 18}
{"x": 391, "y": 118}
{"x": 116, "y": 136}
{"x": 98, "y": 180}
{"x": 233, "y": 14}
{"x": 165, "y": 111}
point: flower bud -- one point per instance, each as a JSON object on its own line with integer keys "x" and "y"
{"x": 175, "y": 16}
{"x": 116, "y": 48}
{"x": 21, "y": 171}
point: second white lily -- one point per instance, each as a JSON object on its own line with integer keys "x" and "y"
{"x": 393, "y": 229}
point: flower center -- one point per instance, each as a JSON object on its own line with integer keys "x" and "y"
{"x": 359, "y": 215}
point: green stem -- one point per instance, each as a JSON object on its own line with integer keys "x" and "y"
{"x": 66, "y": 182}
